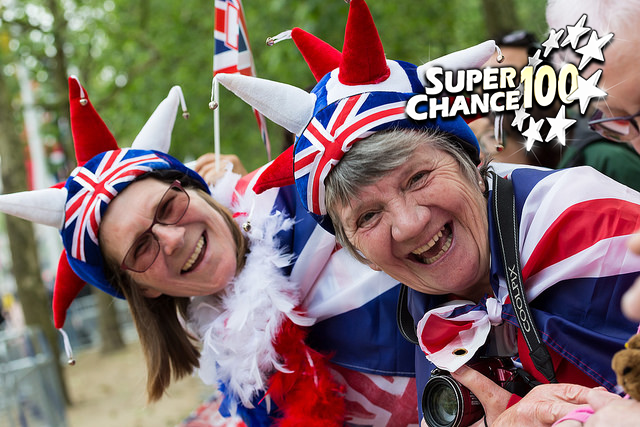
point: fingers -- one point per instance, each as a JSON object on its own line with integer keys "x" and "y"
{"x": 599, "y": 398}
{"x": 631, "y": 302}
{"x": 634, "y": 243}
{"x": 494, "y": 398}
{"x": 206, "y": 166}
{"x": 204, "y": 160}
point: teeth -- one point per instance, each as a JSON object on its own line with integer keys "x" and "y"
{"x": 194, "y": 256}
{"x": 444, "y": 249}
{"x": 429, "y": 244}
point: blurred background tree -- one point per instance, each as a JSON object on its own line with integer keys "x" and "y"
{"x": 128, "y": 54}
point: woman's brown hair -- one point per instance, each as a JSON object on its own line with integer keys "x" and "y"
{"x": 170, "y": 349}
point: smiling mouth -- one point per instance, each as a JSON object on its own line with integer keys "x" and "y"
{"x": 196, "y": 256}
{"x": 435, "y": 248}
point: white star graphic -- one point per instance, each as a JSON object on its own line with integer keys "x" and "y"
{"x": 520, "y": 117}
{"x": 533, "y": 132}
{"x": 574, "y": 32}
{"x": 552, "y": 41}
{"x": 586, "y": 90}
{"x": 559, "y": 125}
{"x": 535, "y": 60}
{"x": 593, "y": 49}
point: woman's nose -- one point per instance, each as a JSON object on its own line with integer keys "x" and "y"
{"x": 171, "y": 237}
{"x": 409, "y": 220}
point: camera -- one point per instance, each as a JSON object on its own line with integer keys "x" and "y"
{"x": 447, "y": 403}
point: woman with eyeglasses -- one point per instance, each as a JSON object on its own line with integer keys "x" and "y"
{"x": 244, "y": 287}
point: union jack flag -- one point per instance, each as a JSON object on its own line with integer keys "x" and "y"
{"x": 379, "y": 400}
{"x": 98, "y": 188}
{"x": 232, "y": 52}
{"x": 326, "y": 144}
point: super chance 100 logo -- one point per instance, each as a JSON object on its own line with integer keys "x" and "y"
{"x": 541, "y": 85}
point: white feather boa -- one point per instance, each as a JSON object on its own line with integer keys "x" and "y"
{"x": 237, "y": 326}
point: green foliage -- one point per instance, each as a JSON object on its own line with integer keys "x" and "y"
{"x": 129, "y": 54}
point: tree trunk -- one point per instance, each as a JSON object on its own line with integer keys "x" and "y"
{"x": 108, "y": 323}
{"x": 501, "y": 17}
{"x": 26, "y": 270}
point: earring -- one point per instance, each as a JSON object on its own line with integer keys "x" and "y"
{"x": 246, "y": 226}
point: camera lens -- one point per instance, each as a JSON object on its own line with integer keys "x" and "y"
{"x": 442, "y": 402}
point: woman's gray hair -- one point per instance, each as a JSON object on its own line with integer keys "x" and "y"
{"x": 372, "y": 158}
{"x": 604, "y": 16}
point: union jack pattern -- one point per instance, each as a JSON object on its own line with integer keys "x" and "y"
{"x": 327, "y": 144}
{"x": 98, "y": 189}
{"x": 379, "y": 400}
{"x": 232, "y": 52}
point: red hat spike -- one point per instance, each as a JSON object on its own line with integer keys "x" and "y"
{"x": 363, "y": 59}
{"x": 321, "y": 57}
{"x": 278, "y": 174}
{"x": 90, "y": 134}
{"x": 65, "y": 289}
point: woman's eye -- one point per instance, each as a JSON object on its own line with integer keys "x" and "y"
{"x": 165, "y": 210}
{"x": 366, "y": 218}
{"x": 142, "y": 245}
{"x": 418, "y": 177}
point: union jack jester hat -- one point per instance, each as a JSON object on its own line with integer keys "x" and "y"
{"x": 359, "y": 92}
{"x": 76, "y": 206}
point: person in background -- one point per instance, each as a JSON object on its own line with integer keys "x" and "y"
{"x": 616, "y": 118}
{"x": 496, "y": 136}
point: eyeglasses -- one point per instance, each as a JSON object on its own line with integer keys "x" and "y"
{"x": 145, "y": 249}
{"x": 621, "y": 129}
{"x": 519, "y": 38}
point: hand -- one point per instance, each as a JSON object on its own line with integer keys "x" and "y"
{"x": 631, "y": 299}
{"x": 612, "y": 410}
{"x": 206, "y": 166}
{"x": 542, "y": 406}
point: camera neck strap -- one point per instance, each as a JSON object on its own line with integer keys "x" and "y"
{"x": 506, "y": 222}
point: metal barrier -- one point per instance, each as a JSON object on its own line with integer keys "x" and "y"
{"x": 30, "y": 392}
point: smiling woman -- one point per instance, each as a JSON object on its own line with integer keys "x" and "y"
{"x": 412, "y": 199}
{"x": 176, "y": 255}
{"x": 226, "y": 285}
{"x": 430, "y": 196}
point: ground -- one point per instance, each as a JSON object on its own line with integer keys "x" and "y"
{"x": 109, "y": 390}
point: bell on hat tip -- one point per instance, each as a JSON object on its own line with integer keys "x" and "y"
{"x": 84, "y": 101}
{"x": 213, "y": 105}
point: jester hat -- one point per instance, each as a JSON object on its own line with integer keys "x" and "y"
{"x": 103, "y": 171}
{"x": 359, "y": 92}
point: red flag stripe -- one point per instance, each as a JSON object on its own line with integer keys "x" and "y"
{"x": 573, "y": 231}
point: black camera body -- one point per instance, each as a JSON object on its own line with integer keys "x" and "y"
{"x": 447, "y": 403}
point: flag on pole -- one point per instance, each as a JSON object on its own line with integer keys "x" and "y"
{"x": 232, "y": 52}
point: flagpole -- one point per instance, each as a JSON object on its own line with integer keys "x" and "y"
{"x": 216, "y": 123}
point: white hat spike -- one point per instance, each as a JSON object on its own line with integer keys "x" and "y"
{"x": 285, "y": 105}
{"x": 156, "y": 133}
{"x": 44, "y": 206}
{"x": 472, "y": 57}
